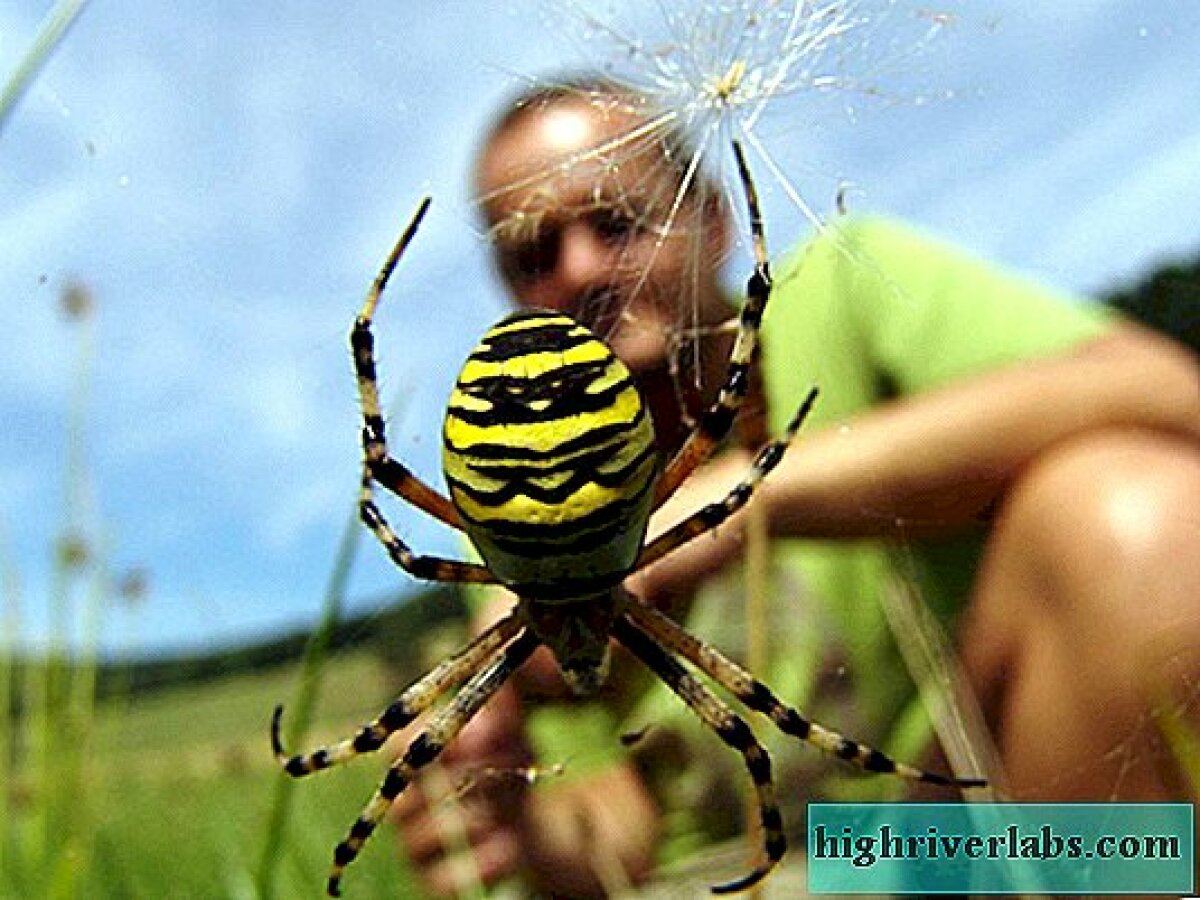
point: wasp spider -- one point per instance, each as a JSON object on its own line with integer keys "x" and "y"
{"x": 553, "y": 472}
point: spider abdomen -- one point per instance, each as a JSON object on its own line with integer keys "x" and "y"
{"x": 549, "y": 455}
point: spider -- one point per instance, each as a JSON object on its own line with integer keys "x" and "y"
{"x": 550, "y": 458}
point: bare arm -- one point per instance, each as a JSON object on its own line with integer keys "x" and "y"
{"x": 940, "y": 461}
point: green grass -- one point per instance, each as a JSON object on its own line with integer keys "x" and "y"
{"x": 109, "y": 788}
{"x": 174, "y": 792}
{"x": 180, "y": 785}
{"x": 54, "y": 28}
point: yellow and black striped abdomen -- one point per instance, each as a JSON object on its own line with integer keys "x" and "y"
{"x": 549, "y": 455}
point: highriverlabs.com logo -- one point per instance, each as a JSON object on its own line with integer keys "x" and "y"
{"x": 1002, "y": 848}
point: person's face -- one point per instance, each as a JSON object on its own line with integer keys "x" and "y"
{"x": 583, "y": 221}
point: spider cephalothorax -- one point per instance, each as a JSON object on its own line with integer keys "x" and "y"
{"x": 553, "y": 473}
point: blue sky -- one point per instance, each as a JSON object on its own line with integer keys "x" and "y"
{"x": 227, "y": 176}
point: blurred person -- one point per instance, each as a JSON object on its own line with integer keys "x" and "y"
{"x": 1031, "y": 463}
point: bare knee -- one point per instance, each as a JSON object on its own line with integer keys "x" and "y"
{"x": 1088, "y": 602}
{"x": 1125, "y": 504}
{"x": 1104, "y": 534}
{"x": 1113, "y": 518}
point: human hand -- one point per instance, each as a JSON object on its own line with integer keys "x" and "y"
{"x": 591, "y": 836}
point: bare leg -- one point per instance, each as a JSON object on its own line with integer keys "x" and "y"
{"x": 1086, "y": 619}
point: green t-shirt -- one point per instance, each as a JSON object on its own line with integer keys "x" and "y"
{"x": 874, "y": 310}
{"x": 868, "y": 311}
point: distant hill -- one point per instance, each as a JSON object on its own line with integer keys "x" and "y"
{"x": 400, "y": 624}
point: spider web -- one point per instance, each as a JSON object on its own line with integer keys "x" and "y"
{"x": 765, "y": 73}
{"x": 780, "y": 76}
{"x": 768, "y": 74}
{"x": 756, "y": 71}
{"x": 759, "y": 72}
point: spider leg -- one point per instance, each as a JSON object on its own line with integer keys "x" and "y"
{"x": 729, "y": 727}
{"x": 428, "y": 568}
{"x": 427, "y": 746}
{"x": 715, "y": 513}
{"x": 718, "y": 419}
{"x": 392, "y": 474}
{"x": 758, "y": 697}
{"x": 413, "y": 701}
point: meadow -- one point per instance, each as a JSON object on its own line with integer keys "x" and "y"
{"x": 173, "y": 791}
